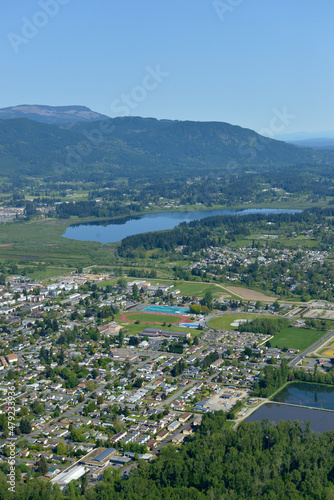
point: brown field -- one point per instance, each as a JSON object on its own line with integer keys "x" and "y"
{"x": 250, "y": 294}
{"x": 328, "y": 315}
{"x": 329, "y": 353}
{"x": 7, "y": 245}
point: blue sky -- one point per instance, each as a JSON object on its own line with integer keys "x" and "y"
{"x": 265, "y": 65}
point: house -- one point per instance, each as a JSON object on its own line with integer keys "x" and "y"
{"x": 151, "y": 444}
{"x": 162, "y": 435}
{"x": 216, "y": 364}
{"x": 174, "y": 425}
{"x": 118, "y": 437}
{"x": 3, "y": 361}
{"x": 178, "y": 438}
{"x": 202, "y": 405}
{"x": 123, "y": 354}
{"x": 12, "y": 358}
{"x": 184, "y": 417}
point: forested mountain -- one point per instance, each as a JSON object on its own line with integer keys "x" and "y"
{"x": 142, "y": 148}
{"x": 51, "y": 114}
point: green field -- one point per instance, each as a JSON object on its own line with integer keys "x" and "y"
{"x": 296, "y": 338}
{"x": 41, "y": 241}
{"x": 198, "y": 289}
{"x": 133, "y": 329}
{"x": 291, "y": 337}
{"x": 224, "y": 322}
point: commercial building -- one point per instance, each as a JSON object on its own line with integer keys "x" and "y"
{"x": 156, "y": 332}
{"x": 98, "y": 458}
{"x": 66, "y": 477}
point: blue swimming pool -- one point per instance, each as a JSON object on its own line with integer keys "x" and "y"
{"x": 166, "y": 309}
{"x": 189, "y": 325}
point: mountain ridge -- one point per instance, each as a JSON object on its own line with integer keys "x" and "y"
{"x": 137, "y": 147}
{"x": 51, "y": 114}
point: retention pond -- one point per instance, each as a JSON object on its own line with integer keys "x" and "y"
{"x": 303, "y": 402}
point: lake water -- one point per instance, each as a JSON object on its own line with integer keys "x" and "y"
{"x": 111, "y": 231}
{"x": 313, "y": 395}
{"x": 320, "y": 420}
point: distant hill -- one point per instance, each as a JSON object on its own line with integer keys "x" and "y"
{"x": 137, "y": 147}
{"x": 51, "y": 114}
{"x": 318, "y": 143}
{"x": 300, "y": 136}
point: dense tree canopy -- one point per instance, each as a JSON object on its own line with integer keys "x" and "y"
{"x": 258, "y": 460}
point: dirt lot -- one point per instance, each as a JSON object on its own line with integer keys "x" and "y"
{"x": 313, "y": 313}
{"x": 218, "y": 403}
{"x": 250, "y": 294}
{"x": 328, "y": 315}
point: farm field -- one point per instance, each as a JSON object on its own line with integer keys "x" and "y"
{"x": 247, "y": 294}
{"x": 329, "y": 352}
{"x": 296, "y": 338}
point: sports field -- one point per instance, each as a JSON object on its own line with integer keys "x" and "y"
{"x": 225, "y": 321}
{"x": 190, "y": 289}
{"x": 296, "y": 338}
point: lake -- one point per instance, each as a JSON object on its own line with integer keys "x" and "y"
{"x": 111, "y": 231}
{"x": 313, "y": 395}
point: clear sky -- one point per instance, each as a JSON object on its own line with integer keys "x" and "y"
{"x": 261, "y": 64}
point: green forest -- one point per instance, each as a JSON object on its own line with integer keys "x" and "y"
{"x": 114, "y": 146}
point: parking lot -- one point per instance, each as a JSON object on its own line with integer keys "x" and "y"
{"x": 227, "y": 398}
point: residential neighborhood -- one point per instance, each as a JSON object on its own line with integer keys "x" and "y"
{"x": 90, "y": 394}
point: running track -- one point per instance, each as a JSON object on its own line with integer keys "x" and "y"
{"x": 180, "y": 319}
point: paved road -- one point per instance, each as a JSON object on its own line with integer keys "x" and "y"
{"x": 295, "y": 361}
{"x": 170, "y": 437}
{"x": 175, "y": 396}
